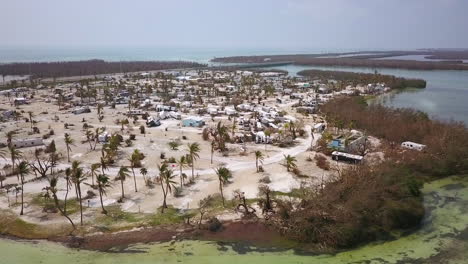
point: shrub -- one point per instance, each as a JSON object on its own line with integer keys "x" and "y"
{"x": 322, "y": 162}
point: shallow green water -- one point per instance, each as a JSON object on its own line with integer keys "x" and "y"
{"x": 442, "y": 239}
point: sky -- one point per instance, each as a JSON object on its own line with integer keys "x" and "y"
{"x": 353, "y": 24}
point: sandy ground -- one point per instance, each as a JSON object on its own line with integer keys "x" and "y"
{"x": 245, "y": 177}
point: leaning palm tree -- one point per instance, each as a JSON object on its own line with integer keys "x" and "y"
{"x": 68, "y": 142}
{"x": 53, "y": 189}
{"x": 258, "y": 158}
{"x": 289, "y": 162}
{"x": 68, "y": 181}
{"x": 122, "y": 175}
{"x": 182, "y": 161}
{"x": 223, "y": 174}
{"x": 167, "y": 182}
{"x": 23, "y": 169}
{"x": 103, "y": 185}
{"x": 78, "y": 177}
{"x": 193, "y": 152}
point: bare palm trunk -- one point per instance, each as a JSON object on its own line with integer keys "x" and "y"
{"x": 22, "y": 195}
{"x": 164, "y": 201}
{"x": 222, "y": 195}
{"x": 123, "y": 194}
{"x": 134, "y": 179}
{"x": 81, "y": 204}
{"x": 102, "y": 203}
{"x": 62, "y": 211}
{"x": 193, "y": 167}
{"x": 181, "y": 178}
{"x": 13, "y": 169}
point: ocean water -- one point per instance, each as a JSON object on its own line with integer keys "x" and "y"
{"x": 446, "y": 95}
{"x": 145, "y": 53}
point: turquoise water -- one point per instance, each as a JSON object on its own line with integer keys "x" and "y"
{"x": 443, "y": 236}
{"x": 445, "y": 97}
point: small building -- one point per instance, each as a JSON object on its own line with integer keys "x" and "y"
{"x": 30, "y": 142}
{"x": 193, "y": 122}
{"x": 412, "y": 145}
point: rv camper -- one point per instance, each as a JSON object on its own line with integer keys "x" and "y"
{"x": 153, "y": 122}
{"x": 30, "y": 142}
{"x": 81, "y": 110}
{"x": 412, "y": 145}
{"x": 341, "y": 156}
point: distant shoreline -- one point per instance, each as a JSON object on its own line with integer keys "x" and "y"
{"x": 451, "y": 60}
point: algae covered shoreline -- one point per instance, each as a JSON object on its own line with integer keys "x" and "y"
{"x": 442, "y": 238}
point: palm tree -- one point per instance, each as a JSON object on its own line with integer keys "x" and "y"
{"x": 258, "y": 158}
{"x": 68, "y": 142}
{"x": 23, "y": 169}
{"x": 167, "y": 182}
{"x": 10, "y": 135}
{"x": 69, "y": 183}
{"x": 78, "y": 177}
{"x": 93, "y": 171}
{"x": 89, "y": 137}
{"x": 194, "y": 149}
{"x": 135, "y": 160}
{"x": 30, "y": 113}
{"x": 53, "y": 189}
{"x": 213, "y": 145}
{"x": 289, "y": 162}
{"x": 103, "y": 185}
{"x": 144, "y": 172}
{"x": 103, "y": 164}
{"x": 174, "y": 145}
{"x": 15, "y": 154}
{"x": 122, "y": 176}
{"x": 182, "y": 161}
{"x": 233, "y": 127}
{"x": 223, "y": 176}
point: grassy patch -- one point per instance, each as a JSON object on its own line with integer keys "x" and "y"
{"x": 10, "y": 224}
{"x": 170, "y": 216}
{"x": 73, "y": 206}
{"x": 116, "y": 218}
{"x": 294, "y": 193}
